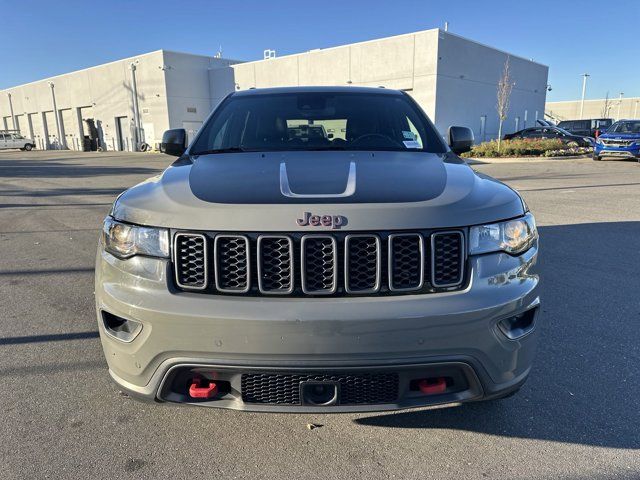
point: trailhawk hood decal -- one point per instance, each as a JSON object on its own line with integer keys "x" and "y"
{"x": 245, "y": 192}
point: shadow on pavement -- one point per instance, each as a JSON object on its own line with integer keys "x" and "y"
{"x": 54, "y": 337}
{"x": 585, "y": 385}
{"x": 51, "y": 168}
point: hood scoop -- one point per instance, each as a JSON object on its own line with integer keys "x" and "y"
{"x": 285, "y": 187}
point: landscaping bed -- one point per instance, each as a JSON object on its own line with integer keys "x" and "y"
{"x": 526, "y": 148}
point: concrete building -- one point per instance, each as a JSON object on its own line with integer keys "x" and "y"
{"x": 454, "y": 80}
{"x": 615, "y": 108}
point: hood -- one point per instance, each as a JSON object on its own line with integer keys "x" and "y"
{"x": 271, "y": 191}
{"x": 621, "y": 136}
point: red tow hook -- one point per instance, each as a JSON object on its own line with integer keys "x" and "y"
{"x": 196, "y": 391}
{"x": 432, "y": 386}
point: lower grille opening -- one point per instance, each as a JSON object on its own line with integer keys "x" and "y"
{"x": 352, "y": 389}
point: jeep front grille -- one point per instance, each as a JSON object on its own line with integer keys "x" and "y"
{"x": 447, "y": 252}
{"x": 319, "y": 259}
{"x": 336, "y": 263}
{"x": 232, "y": 263}
{"x": 191, "y": 269}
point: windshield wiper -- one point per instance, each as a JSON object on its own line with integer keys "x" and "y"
{"x": 220, "y": 150}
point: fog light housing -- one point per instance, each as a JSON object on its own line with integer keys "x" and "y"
{"x": 120, "y": 328}
{"x": 519, "y": 325}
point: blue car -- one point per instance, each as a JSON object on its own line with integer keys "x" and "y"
{"x": 621, "y": 140}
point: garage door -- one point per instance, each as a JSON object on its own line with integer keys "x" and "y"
{"x": 52, "y": 130}
{"x": 38, "y": 131}
{"x": 68, "y": 128}
{"x": 21, "y": 126}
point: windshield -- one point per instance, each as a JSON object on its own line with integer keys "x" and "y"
{"x": 562, "y": 130}
{"x": 625, "y": 127}
{"x": 317, "y": 121}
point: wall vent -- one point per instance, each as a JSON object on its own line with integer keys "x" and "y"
{"x": 191, "y": 110}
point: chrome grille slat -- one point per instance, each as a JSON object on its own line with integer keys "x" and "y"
{"x": 232, "y": 260}
{"x": 319, "y": 264}
{"x": 190, "y": 250}
{"x": 406, "y": 262}
{"x": 447, "y": 258}
{"x": 275, "y": 264}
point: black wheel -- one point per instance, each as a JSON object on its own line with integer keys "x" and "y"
{"x": 597, "y": 157}
{"x": 28, "y": 147}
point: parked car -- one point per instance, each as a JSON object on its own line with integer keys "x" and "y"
{"x": 371, "y": 271}
{"x": 621, "y": 140}
{"x": 551, "y": 132}
{"x": 586, "y": 128}
{"x": 12, "y": 139}
{"x": 544, "y": 123}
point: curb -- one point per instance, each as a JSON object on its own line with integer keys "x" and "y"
{"x": 485, "y": 160}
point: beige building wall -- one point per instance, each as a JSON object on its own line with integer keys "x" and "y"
{"x": 405, "y": 62}
{"x": 452, "y": 78}
{"x": 600, "y": 108}
{"x": 102, "y": 93}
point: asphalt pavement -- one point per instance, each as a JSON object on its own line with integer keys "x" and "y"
{"x": 577, "y": 417}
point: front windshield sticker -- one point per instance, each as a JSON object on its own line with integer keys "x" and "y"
{"x": 409, "y": 135}
{"x": 411, "y": 144}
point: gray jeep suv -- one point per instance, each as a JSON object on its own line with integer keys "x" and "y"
{"x": 318, "y": 249}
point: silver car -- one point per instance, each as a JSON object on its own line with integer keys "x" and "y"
{"x": 318, "y": 249}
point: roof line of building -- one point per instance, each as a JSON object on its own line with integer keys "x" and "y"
{"x": 400, "y": 36}
{"x": 80, "y": 70}
{"x": 494, "y": 48}
{"x": 611, "y": 99}
{"x": 133, "y": 57}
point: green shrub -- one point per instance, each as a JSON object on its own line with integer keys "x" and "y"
{"x": 516, "y": 148}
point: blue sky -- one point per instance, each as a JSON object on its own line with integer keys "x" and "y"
{"x": 45, "y": 38}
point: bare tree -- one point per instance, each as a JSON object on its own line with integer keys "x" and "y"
{"x": 505, "y": 85}
{"x": 606, "y": 107}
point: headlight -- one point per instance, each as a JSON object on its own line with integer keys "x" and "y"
{"x": 513, "y": 236}
{"x": 599, "y": 141}
{"x": 125, "y": 241}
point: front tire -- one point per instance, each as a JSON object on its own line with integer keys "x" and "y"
{"x": 28, "y": 147}
{"x": 597, "y": 157}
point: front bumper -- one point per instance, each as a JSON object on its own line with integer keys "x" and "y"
{"x": 620, "y": 152}
{"x": 413, "y": 336}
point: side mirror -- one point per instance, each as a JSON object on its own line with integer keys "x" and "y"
{"x": 174, "y": 142}
{"x": 460, "y": 139}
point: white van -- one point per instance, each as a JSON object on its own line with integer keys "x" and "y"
{"x": 9, "y": 139}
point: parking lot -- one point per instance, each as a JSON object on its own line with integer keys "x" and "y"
{"x": 577, "y": 416}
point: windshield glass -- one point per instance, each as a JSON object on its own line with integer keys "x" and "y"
{"x": 317, "y": 121}
{"x": 562, "y": 130}
{"x": 625, "y": 127}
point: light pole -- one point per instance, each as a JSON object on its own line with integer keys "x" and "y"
{"x": 584, "y": 90}
{"x": 55, "y": 114}
{"x": 136, "y": 112}
{"x": 619, "y": 104}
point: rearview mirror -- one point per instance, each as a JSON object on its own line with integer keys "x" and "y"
{"x": 174, "y": 142}
{"x": 460, "y": 139}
